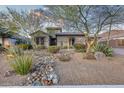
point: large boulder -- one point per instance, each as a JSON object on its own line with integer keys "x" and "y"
{"x": 99, "y": 56}
{"x": 64, "y": 57}
{"x": 9, "y": 73}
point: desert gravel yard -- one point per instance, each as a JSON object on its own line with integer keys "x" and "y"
{"x": 14, "y": 80}
{"x": 77, "y": 71}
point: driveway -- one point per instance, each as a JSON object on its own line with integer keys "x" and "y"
{"x": 118, "y": 51}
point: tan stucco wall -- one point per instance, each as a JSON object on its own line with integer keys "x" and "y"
{"x": 79, "y": 39}
{"x": 7, "y": 43}
{"x": 46, "y": 41}
{"x": 65, "y": 40}
{"x": 62, "y": 39}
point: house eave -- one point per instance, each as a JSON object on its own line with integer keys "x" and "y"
{"x": 70, "y": 35}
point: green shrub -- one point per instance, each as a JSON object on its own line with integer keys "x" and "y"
{"x": 22, "y": 64}
{"x": 64, "y": 47}
{"x": 40, "y": 47}
{"x": 15, "y": 51}
{"x": 80, "y": 47}
{"x": 53, "y": 49}
{"x": 103, "y": 48}
{"x": 25, "y": 46}
{"x": 71, "y": 47}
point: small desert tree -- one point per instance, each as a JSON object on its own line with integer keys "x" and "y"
{"x": 87, "y": 19}
{"x": 116, "y": 18}
{"x": 23, "y": 22}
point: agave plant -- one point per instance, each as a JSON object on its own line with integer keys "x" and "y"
{"x": 22, "y": 64}
{"x": 103, "y": 48}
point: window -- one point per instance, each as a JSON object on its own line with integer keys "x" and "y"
{"x": 40, "y": 40}
{"x": 37, "y": 40}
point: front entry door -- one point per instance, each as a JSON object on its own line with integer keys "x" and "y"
{"x": 53, "y": 41}
{"x": 71, "y": 41}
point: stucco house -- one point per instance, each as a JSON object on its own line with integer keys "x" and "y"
{"x": 55, "y": 36}
{"x": 11, "y": 40}
{"x": 116, "y": 38}
{"x": 7, "y": 42}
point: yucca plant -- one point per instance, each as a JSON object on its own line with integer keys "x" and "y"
{"x": 22, "y": 64}
{"x": 103, "y": 48}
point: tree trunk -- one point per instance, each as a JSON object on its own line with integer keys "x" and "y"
{"x": 89, "y": 54}
{"x": 88, "y": 50}
{"x": 90, "y": 44}
{"x": 110, "y": 26}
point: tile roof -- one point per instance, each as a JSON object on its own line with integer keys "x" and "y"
{"x": 69, "y": 33}
{"x": 37, "y": 32}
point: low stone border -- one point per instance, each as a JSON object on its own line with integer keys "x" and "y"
{"x": 42, "y": 74}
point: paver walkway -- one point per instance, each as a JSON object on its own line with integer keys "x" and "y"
{"x": 79, "y": 71}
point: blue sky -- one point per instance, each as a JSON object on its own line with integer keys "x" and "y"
{"x": 20, "y": 7}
